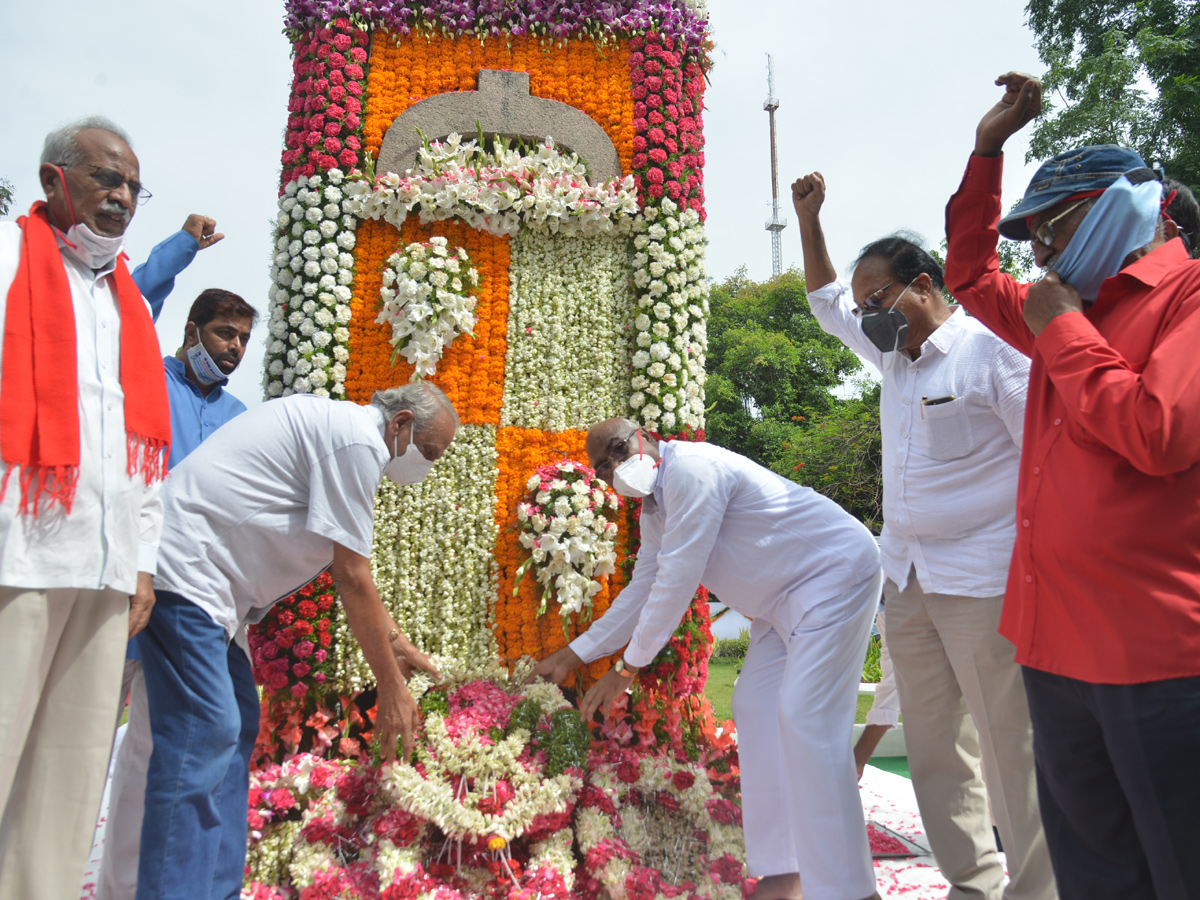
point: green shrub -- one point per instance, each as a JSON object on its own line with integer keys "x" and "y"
{"x": 872, "y": 673}
{"x": 732, "y": 648}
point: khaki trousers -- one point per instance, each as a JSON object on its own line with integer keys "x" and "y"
{"x": 61, "y": 654}
{"x": 963, "y": 701}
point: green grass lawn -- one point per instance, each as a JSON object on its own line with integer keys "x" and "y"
{"x": 723, "y": 671}
{"x": 721, "y": 675}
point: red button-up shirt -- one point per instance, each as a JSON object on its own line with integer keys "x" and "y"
{"x": 1104, "y": 584}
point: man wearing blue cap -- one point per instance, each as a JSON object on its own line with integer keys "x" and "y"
{"x": 1103, "y": 607}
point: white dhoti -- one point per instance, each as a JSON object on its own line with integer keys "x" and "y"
{"x": 127, "y": 799}
{"x": 794, "y": 707}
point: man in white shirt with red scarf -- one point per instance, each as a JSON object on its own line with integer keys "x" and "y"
{"x": 84, "y": 431}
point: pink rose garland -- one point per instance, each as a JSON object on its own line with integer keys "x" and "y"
{"x": 324, "y": 128}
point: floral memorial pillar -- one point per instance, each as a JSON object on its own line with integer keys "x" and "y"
{"x": 505, "y": 198}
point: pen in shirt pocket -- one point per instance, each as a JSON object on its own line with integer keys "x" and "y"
{"x": 936, "y": 401}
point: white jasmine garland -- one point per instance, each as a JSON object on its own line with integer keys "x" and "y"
{"x": 432, "y": 559}
{"x": 308, "y": 274}
{"x": 567, "y": 362}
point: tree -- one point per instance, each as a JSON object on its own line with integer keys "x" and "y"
{"x": 6, "y": 195}
{"x": 838, "y": 453}
{"x": 1100, "y": 53}
{"x": 768, "y": 360}
{"x": 772, "y": 372}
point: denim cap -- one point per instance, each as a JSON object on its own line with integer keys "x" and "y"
{"x": 1079, "y": 171}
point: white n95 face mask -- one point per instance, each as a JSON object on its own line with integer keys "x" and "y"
{"x": 636, "y": 476}
{"x": 409, "y": 468}
{"x": 96, "y": 251}
{"x": 206, "y": 368}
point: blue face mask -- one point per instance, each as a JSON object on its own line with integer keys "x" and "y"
{"x": 1122, "y": 220}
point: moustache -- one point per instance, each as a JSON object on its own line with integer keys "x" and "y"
{"x": 114, "y": 209}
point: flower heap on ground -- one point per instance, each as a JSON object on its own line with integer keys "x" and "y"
{"x": 485, "y": 807}
{"x": 569, "y": 325}
{"x": 425, "y": 300}
{"x": 649, "y": 826}
{"x": 505, "y": 788}
{"x": 568, "y": 536}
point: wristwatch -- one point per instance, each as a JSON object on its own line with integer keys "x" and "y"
{"x": 625, "y": 670}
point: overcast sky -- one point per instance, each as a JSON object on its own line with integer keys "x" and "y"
{"x": 882, "y": 98}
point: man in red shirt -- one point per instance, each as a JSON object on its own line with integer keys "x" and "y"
{"x": 1103, "y": 596}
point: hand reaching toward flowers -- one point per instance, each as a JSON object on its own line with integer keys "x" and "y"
{"x": 408, "y": 657}
{"x": 603, "y": 692}
{"x": 397, "y": 714}
{"x": 557, "y": 667}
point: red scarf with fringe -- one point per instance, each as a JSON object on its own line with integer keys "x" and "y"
{"x": 39, "y": 403}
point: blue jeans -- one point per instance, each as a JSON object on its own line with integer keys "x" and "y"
{"x": 204, "y": 718}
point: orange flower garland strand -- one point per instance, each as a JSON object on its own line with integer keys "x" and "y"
{"x": 471, "y": 371}
{"x": 578, "y": 73}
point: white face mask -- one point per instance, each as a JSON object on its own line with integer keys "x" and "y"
{"x": 96, "y": 251}
{"x": 636, "y": 476}
{"x": 206, "y": 369}
{"x": 410, "y": 468}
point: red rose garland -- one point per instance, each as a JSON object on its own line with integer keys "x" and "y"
{"x": 324, "y": 129}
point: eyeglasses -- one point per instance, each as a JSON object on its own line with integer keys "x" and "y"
{"x": 621, "y": 449}
{"x": 1045, "y": 231}
{"x": 874, "y": 301}
{"x": 112, "y": 180}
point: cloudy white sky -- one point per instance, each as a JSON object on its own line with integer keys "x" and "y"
{"x": 881, "y": 97}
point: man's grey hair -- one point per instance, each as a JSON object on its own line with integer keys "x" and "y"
{"x": 423, "y": 399}
{"x": 61, "y": 147}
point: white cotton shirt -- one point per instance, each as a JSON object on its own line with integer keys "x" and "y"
{"x": 252, "y": 514}
{"x": 112, "y": 530}
{"x": 767, "y": 547}
{"x": 949, "y": 470}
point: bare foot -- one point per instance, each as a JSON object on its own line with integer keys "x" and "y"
{"x": 779, "y": 887}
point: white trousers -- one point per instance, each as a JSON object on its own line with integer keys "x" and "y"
{"x": 127, "y": 797}
{"x": 60, "y": 666}
{"x": 794, "y": 707}
{"x": 963, "y": 699}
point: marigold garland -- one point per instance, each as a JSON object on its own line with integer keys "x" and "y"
{"x": 519, "y": 630}
{"x": 579, "y": 73}
{"x": 472, "y": 370}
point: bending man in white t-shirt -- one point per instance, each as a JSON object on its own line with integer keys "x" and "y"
{"x": 255, "y": 512}
{"x": 808, "y": 574}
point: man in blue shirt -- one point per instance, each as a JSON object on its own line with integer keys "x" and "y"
{"x": 214, "y": 341}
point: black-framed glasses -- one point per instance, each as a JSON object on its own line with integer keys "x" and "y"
{"x": 874, "y": 301}
{"x": 607, "y": 465}
{"x": 1045, "y": 231}
{"x": 111, "y": 180}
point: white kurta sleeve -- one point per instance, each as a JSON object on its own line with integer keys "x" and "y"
{"x": 613, "y": 630}
{"x": 695, "y": 495}
{"x": 833, "y": 306}
{"x": 150, "y": 526}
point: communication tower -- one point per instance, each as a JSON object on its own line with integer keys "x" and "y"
{"x": 775, "y": 225}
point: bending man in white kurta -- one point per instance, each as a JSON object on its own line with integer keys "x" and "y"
{"x": 808, "y": 574}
